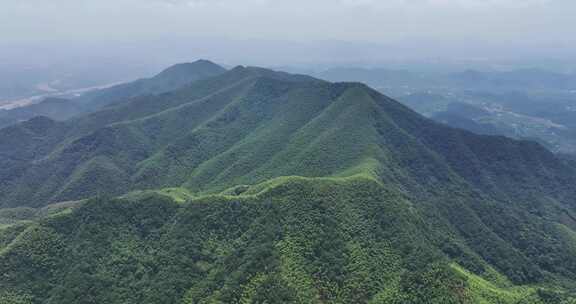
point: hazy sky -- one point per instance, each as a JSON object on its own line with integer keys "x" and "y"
{"x": 289, "y": 30}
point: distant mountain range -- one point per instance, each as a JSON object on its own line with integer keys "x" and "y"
{"x": 532, "y": 104}
{"x": 472, "y": 79}
{"x": 206, "y": 185}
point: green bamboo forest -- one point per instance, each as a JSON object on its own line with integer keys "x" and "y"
{"x": 247, "y": 185}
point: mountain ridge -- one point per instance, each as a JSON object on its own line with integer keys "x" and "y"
{"x": 169, "y": 79}
{"x": 254, "y": 186}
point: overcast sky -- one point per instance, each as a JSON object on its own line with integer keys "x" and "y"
{"x": 288, "y": 31}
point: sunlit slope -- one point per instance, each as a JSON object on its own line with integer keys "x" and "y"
{"x": 249, "y": 125}
{"x": 74, "y": 160}
{"x": 293, "y": 240}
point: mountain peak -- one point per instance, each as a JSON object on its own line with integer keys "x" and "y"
{"x": 172, "y": 78}
{"x": 188, "y": 69}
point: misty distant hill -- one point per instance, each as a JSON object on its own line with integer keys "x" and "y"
{"x": 534, "y": 104}
{"x": 469, "y": 79}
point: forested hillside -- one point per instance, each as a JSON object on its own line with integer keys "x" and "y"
{"x": 254, "y": 186}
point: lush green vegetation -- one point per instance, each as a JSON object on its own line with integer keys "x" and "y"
{"x": 261, "y": 187}
{"x": 296, "y": 240}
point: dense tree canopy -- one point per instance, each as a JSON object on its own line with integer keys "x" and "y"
{"x": 254, "y": 186}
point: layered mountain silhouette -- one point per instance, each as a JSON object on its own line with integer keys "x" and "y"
{"x": 256, "y": 186}
{"x": 170, "y": 79}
